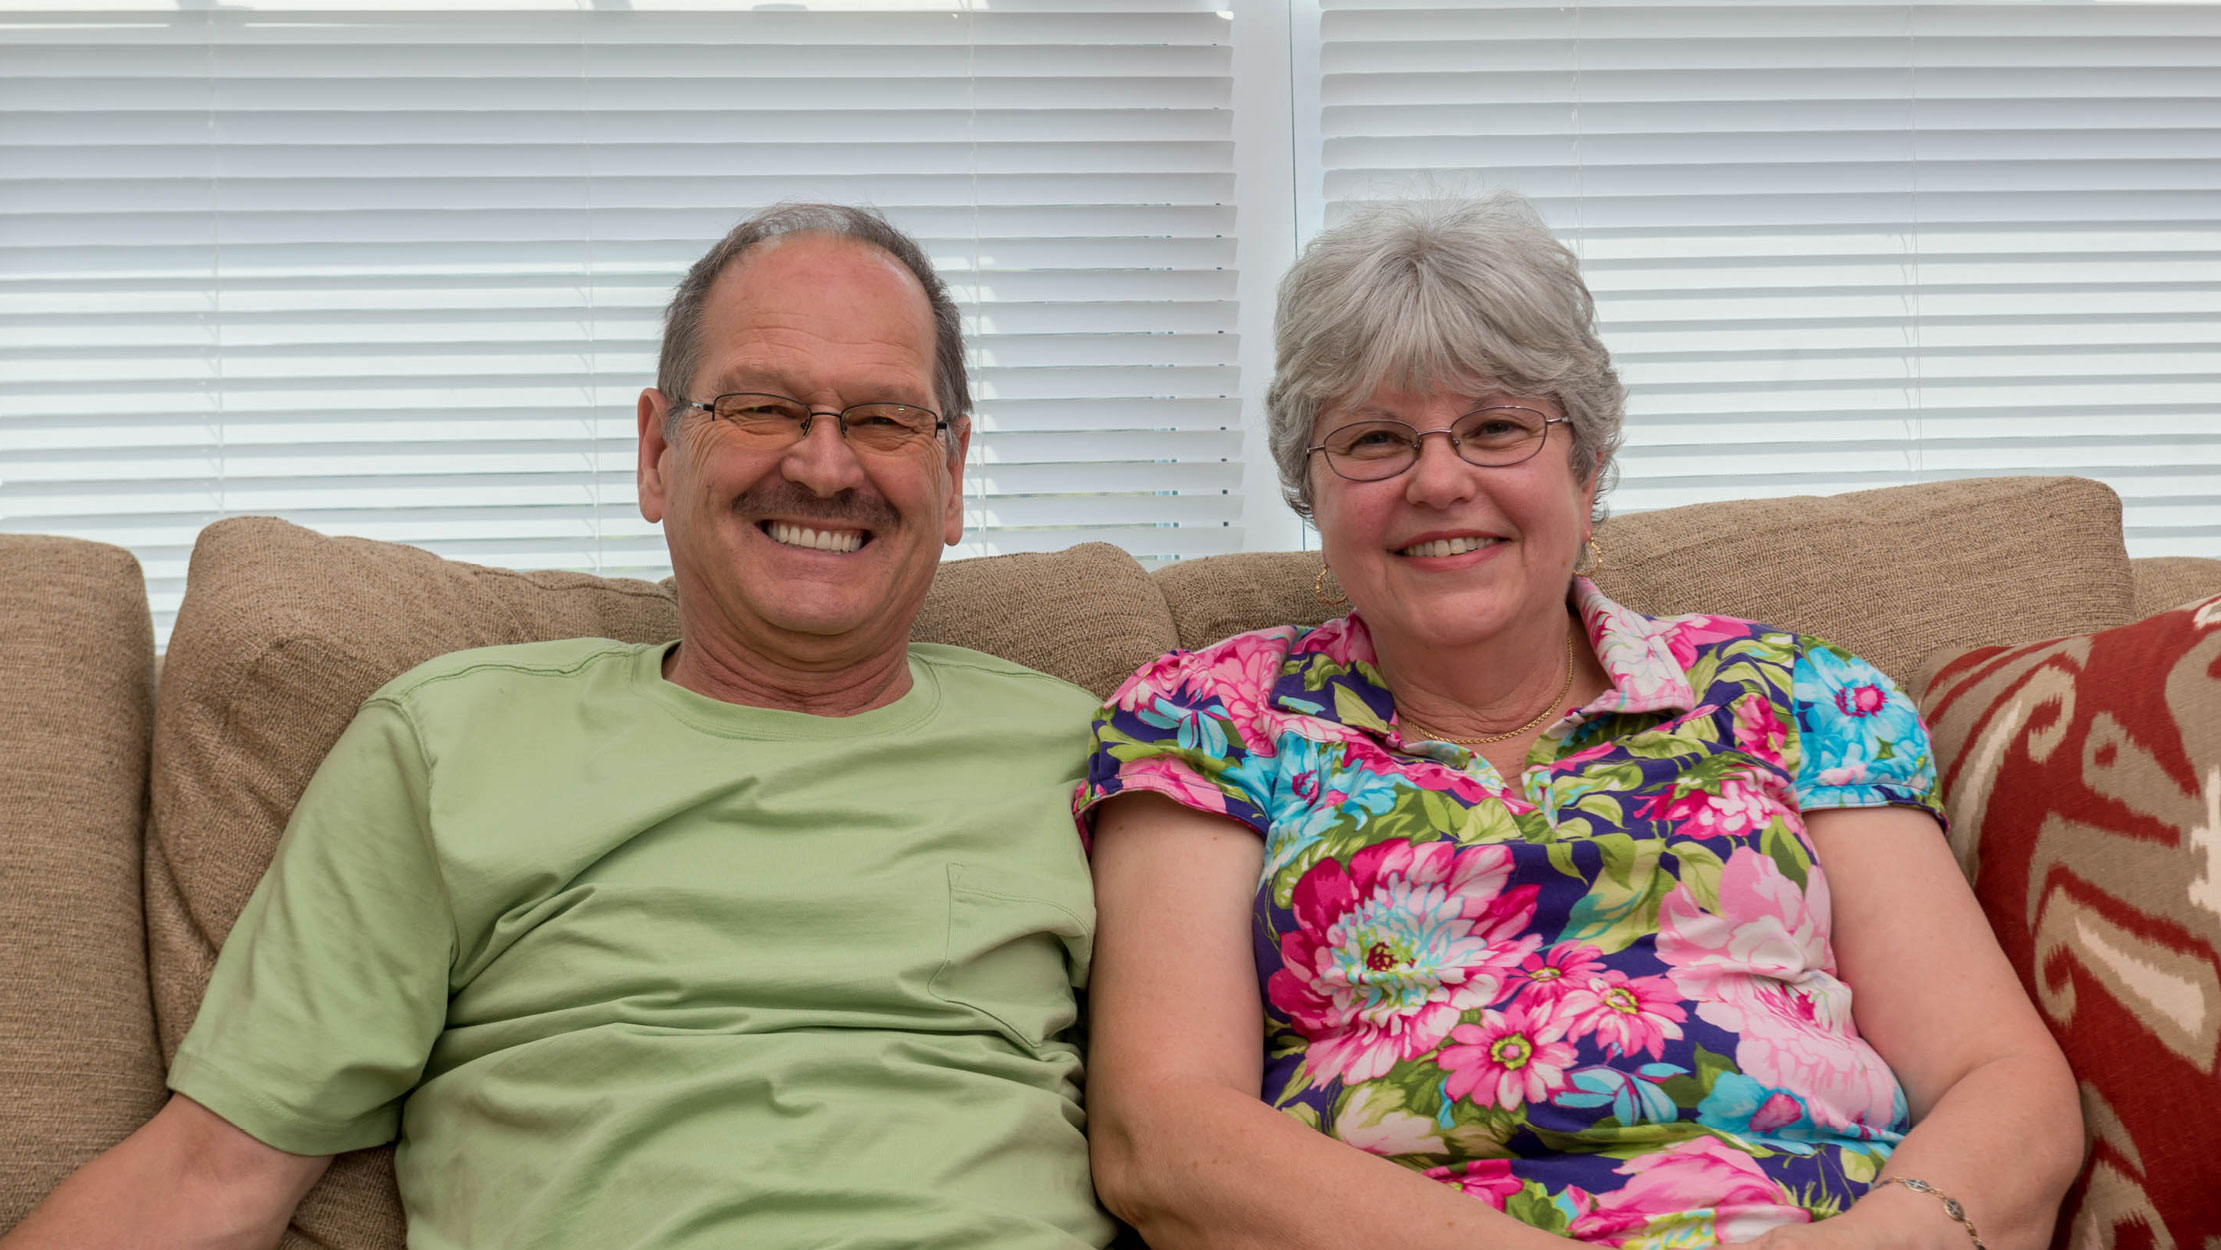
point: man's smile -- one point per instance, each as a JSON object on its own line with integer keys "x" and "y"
{"x": 837, "y": 540}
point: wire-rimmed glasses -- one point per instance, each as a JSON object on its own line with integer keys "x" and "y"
{"x": 1491, "y": 438}
{"x": 770, "y": 422}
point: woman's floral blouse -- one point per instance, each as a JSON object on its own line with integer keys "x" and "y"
{"x": 1601, "y": 999}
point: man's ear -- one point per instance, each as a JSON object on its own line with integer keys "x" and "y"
{"x": 654, "y": 413}
{"x": 960, "y": 443}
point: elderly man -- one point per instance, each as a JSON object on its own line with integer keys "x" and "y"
{"x": 766, "y": 937}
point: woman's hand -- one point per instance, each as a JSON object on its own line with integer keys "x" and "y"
{"x": 1883, "y": 1220}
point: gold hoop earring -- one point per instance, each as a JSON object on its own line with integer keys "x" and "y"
{"x": 1318, "y": 589}
{"x": 1596, "y": 561}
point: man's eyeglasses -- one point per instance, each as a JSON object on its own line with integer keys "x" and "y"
{"x": 1492, "y": 438}
{"x": 769, "y": 422}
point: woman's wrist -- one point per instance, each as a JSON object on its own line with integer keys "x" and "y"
{"x": 1906, "y": 1215}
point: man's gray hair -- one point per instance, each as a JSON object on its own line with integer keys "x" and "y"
{"x": 1426, "y": 294}
{"x": 682, "y": 320}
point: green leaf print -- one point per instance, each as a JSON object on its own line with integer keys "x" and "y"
{"x": 1622, "y": 906}
{"x": 1416, "y": 1084}
{"x": 1356, "y": 713}
{"x": 1604, "y": 807}
{"x": 1709, "y": 774}
{"x": 1816, "y": 1199}
{"x": 1488, "y": 821}
{"x": 1663, "y": 746}
{"x": 1699, "y": 870}
{"x": 1859, "y": 1165}
{"x": 1532, "y": 1205}
{"x": 1710, "y": 1066}
{"x": 1613, "y": 1140}
{"x": 1561, "y": 858}
{"x": 1688, "y": 1091}
{"x": 1439, "y": 817}
{"x": 1787, "y": 850}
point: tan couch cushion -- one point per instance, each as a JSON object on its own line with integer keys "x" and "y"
{"x": 1892, "y": 574}
{"x": 2163, "y": 582}
{"x": 283, "y": 632}
{"x": 77, "y": 1054}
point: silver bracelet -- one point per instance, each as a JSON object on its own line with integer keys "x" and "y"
{"x": 1951, "y": 1205}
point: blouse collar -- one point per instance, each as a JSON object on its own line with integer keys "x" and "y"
{"x": 1332, "y": 671}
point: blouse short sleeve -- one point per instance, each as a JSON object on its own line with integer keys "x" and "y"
{"x": 1192, "y": 726}
{"x": 1864, "y": 744}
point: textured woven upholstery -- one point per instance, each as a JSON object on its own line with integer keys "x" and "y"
{"x": 77, "y": 1055}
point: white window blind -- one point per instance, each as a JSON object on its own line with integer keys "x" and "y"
{"x": 1839, "y": 245}
{"x": 399, "y": 273}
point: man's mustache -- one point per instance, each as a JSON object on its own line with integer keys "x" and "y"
{"x": 848, "y": 508}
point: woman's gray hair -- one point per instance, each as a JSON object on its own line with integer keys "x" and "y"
{"x": 1427, "y": 294}
{"x": 682, "y": 320}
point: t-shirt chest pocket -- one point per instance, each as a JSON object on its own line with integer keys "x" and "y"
{"x": 1017, "y": 945}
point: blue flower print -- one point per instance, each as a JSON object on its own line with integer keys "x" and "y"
{"x": 1857, "y": 725}
{"x": 1308, "y": 771}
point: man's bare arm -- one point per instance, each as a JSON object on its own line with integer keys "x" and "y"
{"x": 186, "y": 1180}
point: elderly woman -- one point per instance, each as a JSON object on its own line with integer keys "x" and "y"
{"x": 1494, "y": 913}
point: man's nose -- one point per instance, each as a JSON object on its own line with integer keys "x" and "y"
{"x": 822, "y": 459}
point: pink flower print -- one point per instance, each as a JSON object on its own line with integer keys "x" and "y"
{"x": 1685, "y": 634}
{"x": 1489, "y": 1180}
{"x": 1344, "y": 640}
{"x": 1624, "y": 1014}
{"x": 1238, "y": 674}
{"x": 1759, "y": 730}
{"x": 1701, "y": 1186}
{"x": 1861, "y": 699}
{"x": 1509, "y": 1057}
{"x": 1547, "y": 975}
{"x": 1744, "y": 802}
{"x": 1175, "y": 779}
{"x": 1363, "y": 752}
{"x": 1390, "y": 951}
{"x": 1762, "y": 970}
{"x": 1567, "y": 763}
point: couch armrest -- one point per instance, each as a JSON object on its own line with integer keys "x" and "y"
{"x": 77, "y": 1050}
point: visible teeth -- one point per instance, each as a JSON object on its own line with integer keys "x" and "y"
{"x": 1447, "y": 546}
{"x": 842, "y": 541}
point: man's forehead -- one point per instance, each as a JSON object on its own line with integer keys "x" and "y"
{"x": 802, "y": 301}
{"x": 808, "y": 255}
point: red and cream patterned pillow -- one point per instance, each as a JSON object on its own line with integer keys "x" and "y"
{"x": 2083, "y": 777}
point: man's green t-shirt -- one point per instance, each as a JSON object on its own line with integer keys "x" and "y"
{"x": 628, "y": 966}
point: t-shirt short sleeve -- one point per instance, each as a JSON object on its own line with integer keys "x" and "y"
{"x": 333, "y": 985}
{"x": 1190, "y": 726}
{"x": 1863, "y": 743}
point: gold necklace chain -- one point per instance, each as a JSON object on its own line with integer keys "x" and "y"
{"x": 1540, "y": 716}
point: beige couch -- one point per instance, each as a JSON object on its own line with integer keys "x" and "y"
{"x": 132, "y": 827}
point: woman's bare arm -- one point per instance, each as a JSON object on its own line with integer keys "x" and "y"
{"x": 187, "y": 1179}
{"x": 1996, "y": 1123}
{"x": 1183, "y": 1149}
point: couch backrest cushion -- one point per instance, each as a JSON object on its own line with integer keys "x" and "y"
{"x": 2082, "y": 776}
{"x": 2163, "y": 582}
{"x": 284, "y": 631}
{"x": 77, "y": 1053}
{"x": 1891, "y": 574}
